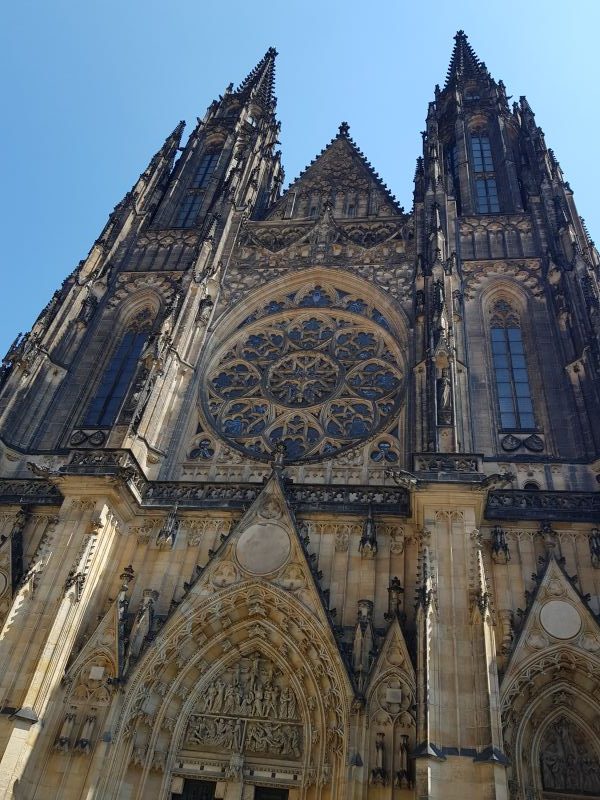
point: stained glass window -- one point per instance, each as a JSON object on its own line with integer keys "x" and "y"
{"x": 116, "y": 380}
{"x": 482, "y": 154}
{"x": 510, "y": 369}
{"x": 205, "y": 169}
{"x": 317, "y": 369}
{"x": 188, "y": 210}
{"x": 486, "y": 190}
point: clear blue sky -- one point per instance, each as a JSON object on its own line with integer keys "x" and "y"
{"x": 92, "y": 88}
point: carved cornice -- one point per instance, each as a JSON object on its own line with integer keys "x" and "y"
{"x": 447, "y": 462}
{"x": 204, "y": 494}
{"x": 275, "y": 236}
{"x": 29, "y": 492}
{"x": 514, "y": 504}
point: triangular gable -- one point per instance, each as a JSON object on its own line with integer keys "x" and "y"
{"x": 393, "y": 655}
{"x": 106, "y": 641}
{"x": 341, "y": 166}
{"x": 267, "y": 545}
{"x": 558, "y": 617}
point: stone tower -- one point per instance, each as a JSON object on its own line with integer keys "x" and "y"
{"x": 300, "y": 490}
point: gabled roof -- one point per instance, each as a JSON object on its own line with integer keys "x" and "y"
{"x": 341, "y": 164}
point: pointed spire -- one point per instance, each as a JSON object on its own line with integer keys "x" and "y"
{"x": 174, "y": 138}
{"x": 464, "y": 63}
{"x": 169, "y": 149}
{"x": 260, "y": 83}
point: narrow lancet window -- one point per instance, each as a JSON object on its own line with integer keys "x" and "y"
{"x": 188, "y": 210}
{"x": 486, "y": 189}
{"x": 115, "y": 382}
{"x": 510, "y": 369}
{"x": 205, "y": 170}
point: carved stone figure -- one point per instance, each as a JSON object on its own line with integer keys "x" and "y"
{"x": 63, "y": 740}
{"x": 250, "y": 690}
{"x": 567, "y": 761}
{"x": 379, "y": 774}
{"x": 84, "y": 743}
{"x": 444, "y": 398}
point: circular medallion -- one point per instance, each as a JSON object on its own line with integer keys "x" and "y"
{"x": 263, "y": 548}
{"x": 560, "y": 619}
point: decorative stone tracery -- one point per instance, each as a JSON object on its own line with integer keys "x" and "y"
{"x": 250, "y": 707}
{"x": 568, "y": 762}
{"x": 317, "y": 369}
{"x": 245, "y": 670}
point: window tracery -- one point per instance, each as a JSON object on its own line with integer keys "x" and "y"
{"x": 316, "y": 369}
{"x": 118, "y": 374}
{"x": 486, "y": 189}
{"x": 510, "y": 368}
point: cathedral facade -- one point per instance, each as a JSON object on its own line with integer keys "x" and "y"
{"x": 300, "y": 490}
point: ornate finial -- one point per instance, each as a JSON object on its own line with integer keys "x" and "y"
{"x": 368, "y": 542}
{"x": 344, "y": 129}
{"x": 127, "y": 575}
{"x": 168, "y": 532}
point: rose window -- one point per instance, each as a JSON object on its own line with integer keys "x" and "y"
{"x": 318, "y": 370}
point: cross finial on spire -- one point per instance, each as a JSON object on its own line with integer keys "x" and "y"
{"x": 344, "y": 129}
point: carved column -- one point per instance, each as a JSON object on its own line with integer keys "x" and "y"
{"x": 458, "y": 698}
{"x": 30, "y": 677}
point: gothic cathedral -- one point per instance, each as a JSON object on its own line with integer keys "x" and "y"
{"x": 300, "y": 491}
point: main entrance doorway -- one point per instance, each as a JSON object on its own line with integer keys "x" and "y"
{"x": 262, "y": 793}
{"x": 205, "y": 790}
{"x": 198, "y": 790}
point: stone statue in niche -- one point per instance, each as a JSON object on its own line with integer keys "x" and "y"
{"x": 379, "y": 773}
{"x": 84, "y": 743}
{"x": 567, "y": 762}
{"x": 444, "y": 398}
{"x": 252, "y": 708}
{"x": 63, "y": 740}
{"x": 403, "y": 777}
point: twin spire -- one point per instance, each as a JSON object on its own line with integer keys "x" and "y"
{"x": 260, "y": 82}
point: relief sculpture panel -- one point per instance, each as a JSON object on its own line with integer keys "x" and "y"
{"x": 567, "y": 761}
{"x": 250, "y": 708}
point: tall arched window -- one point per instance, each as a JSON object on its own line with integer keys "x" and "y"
{"x": 510, "y": 368}
{"x": 486, "y": 189}
{"x": 192, "y": 201}
{"x": 205, "y": 169}
{"x": 116, "y": 379}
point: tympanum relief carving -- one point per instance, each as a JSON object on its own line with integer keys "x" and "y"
{"x": 567, "y": 760}
{"x": 250, "y": 708}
